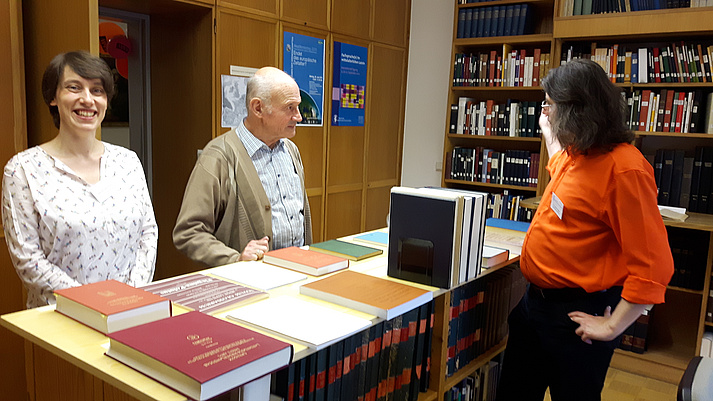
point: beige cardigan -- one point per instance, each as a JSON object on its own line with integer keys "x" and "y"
{"x": 225, "y": 205}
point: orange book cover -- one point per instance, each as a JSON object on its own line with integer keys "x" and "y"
{"x": 111, "y": 305}
{"x": 305, "y": 261}
{"x": 373, "y": 295}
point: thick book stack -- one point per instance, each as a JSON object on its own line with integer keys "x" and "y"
{"x": 109, "y": 306}
{"x": 505, "y": 20}
{"x": 199, "y": 355}
{"x": 205, "y": 293}
{"x": 667, "y": 63}
{"x": 389, "y": 360}
{"x": 478, "y": 315}
{"x": 669, "y": 111}
{"x": 479, "y": 164}
{"x": 505, "y": 68}
{"x": 436, "y": 235}
{"x": 513, "y": 118}
{"x": 690, "y": 254}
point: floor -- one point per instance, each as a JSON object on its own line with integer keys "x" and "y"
{"x": 624, "y": 386}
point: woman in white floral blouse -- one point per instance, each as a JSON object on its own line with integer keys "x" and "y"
{"x": 76, "y": 210}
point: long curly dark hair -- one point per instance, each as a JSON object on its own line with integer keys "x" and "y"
{"x": 589, "y": 111}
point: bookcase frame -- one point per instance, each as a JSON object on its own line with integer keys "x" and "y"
{"x": 678, "y": 326}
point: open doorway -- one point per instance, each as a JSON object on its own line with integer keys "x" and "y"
{"x": 124, "y": 38}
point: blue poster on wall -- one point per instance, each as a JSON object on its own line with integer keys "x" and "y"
{"x": 349, "y": 85}
{"x": 304, "y": 61}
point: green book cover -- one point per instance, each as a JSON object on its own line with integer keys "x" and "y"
{"x": 345, "y": 249}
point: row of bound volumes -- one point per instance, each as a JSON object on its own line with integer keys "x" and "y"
{"x": 389, "y": 360}
{"x": 481, "y": 385}
{"x": 690, "y": 254}
{"x": 479, "y": 164}
{"x": 636, "y": 335}
{"x": 443, "y": 246}
{"x": 587, "y": 7}
{"x": 507, "y": 206}
{"x": 670, "y": 111}
{"x": 685, "y": 180}
{"x": 510, "y": 20}
{"x": 507, "y": 68}
{"x": 671, "y": 63}
{"x": 478, "y": 315}
{"x": 514, "y": 118}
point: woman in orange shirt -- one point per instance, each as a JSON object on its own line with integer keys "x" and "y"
{"x": 596, "y": 254}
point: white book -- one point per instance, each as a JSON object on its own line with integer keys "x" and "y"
{"x": 308, "y": 323}
{"x": 262, "y": 276}
{"x": 643, "y": 65}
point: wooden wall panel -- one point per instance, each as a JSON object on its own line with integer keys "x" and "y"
{"x": 182, "y": 106}
{"x": 345, "y": 158}
{"x": 316, "y": 208}
{"x": 262, "y": 7}
{"x": 77, "y": 22}
{"x": 313, "y": 13}
{"x": 344, "y": 213}
{"x": 352, "y": 18}
{"x": 12, "y": 354}
{"x": 385, "y": 110}
{"x": 391, "y": 22}
{"x": 377, "y": 207}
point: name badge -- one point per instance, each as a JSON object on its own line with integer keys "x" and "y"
{"x": 556, "y": 205}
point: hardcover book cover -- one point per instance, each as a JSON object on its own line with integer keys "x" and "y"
{"x": 205, "y": 293}
{"x": 373, "y": 295}
{"x": 111, "y": 305}
{"x": 345, "y": 249}
{"x": 199, "y": 355}
{"x": 305, "y": 261}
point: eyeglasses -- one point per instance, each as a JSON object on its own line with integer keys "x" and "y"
{"x": 545, "y": 105}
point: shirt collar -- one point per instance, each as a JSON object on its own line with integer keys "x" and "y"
{"x": 251, "y": 143}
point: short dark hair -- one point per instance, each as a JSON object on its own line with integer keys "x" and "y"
{"x": 590, "y": 111}
{"x": 85, "y": 65}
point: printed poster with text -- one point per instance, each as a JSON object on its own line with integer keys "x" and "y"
{"x": 349, "y": 87}
{"x": 304, "y": 61}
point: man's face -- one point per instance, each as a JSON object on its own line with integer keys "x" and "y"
{"x": 283, "y": 114}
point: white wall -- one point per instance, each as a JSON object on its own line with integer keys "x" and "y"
{"x": 427, "y": 91}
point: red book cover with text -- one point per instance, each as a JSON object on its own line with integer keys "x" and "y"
{"x": 199, "y": 355}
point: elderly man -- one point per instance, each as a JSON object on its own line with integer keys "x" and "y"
{"x": 246, "y": 193}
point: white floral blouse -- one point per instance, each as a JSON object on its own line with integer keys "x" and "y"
{"x": 63, "y": 232}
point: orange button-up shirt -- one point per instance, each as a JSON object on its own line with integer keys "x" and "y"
{"x": 601, "y": 228}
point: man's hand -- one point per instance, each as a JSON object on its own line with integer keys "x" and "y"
{"x": 255, "y": 249}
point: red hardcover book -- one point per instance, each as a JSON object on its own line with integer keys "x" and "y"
{"x": 109, "y": 306}
{"x": 536, "y": 68}
{"x": 488, "y": 116}
{"x": 521, "y": 77}
{"x": 199, "y": 355}
{"x": 613, "y": 62}
{"x": 679, "y": 111}
{"x": 491, "y": 71}
{"x": 305, "y": 261}
{"x": 657, "y": 67}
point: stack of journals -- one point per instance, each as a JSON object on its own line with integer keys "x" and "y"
{"x": 199, "y": 355}
{"x": 507, "y": 234}
{"x": 373, "y": 295}
{"x": 305, "y": 261}
{"x": 204, "y": 293}
{"x": 109, "y": 306}
{"x": 436, "y": 235}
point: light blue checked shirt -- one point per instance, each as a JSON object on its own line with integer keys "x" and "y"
{"x": 282, "y": 185}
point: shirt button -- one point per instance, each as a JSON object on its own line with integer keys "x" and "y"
{"x": 267, "y": 207}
